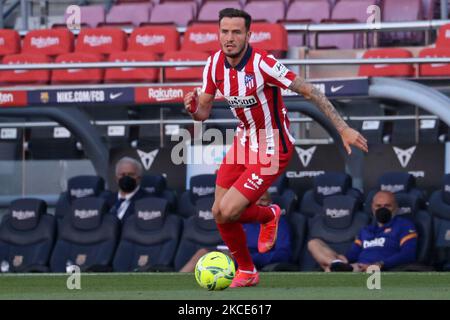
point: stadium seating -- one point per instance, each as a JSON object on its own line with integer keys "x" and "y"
{"x": 91, "y": 16}
{"x": 133, "y": 14}
{"x": 201, "y": 186}
{"x": 25, "y": 76}
{"x": 409, "y": 207}
{"x": 396, "y": 182}
{"x": 443, "y": 39}
{"x": 201, "y": 37}
{"x": 156, "y": 186}
{"x": 347, "y": 11}
{"x": 131, "y": 74}
{"x": 78, "y": 187}
{"x": 9, "y": 42}
{"x": 259, "y": 10}
{"x": 87, "y": 237}
{"x": 325, "y": 185}
{"x": 338, "y": 224}
{"x": 439, "y": 207}
{"x": 27, "y": 235}
{"x": 72, "y": 76}
{"x": 169, "y": 12}
{"x": 49, "y": 42}
{"x": 199, "y": 231}
{"x": 210, "y": 9}
{"x": 434, "y": 69}
{"x": 384, "y": 70}
{"x": 149, "y": 238}
{"x": 156, "y": 39}
{"x": 101, "y": 40}
{"x": 184, "y": 74}
{"x": 270, "y": 37}
{"x": 282, "y": 195}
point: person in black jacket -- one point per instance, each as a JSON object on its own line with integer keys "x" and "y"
{"x": 128, "y": 176}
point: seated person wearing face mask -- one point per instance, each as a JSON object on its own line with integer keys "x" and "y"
{"x": 388, "y": 243}
{"x": 128, "y": 176}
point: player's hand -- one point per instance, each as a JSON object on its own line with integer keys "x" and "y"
{"x": 191, "y": 101}
{"x": 352, "y": 137}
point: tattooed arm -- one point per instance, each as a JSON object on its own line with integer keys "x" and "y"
{"x": 349, "y": 135}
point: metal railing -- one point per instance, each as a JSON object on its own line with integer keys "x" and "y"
{"x": 168, "y": 64}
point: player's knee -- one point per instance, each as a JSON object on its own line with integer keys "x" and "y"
{"x": 228, "y": 212}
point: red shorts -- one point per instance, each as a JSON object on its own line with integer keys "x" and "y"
{"x": 251, "y": 172}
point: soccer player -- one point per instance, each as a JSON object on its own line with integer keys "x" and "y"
{"x": 250, "y": 81}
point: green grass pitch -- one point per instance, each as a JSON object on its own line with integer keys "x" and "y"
{"x": 273, "y": 286}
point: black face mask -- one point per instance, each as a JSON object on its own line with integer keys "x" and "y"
{"x": 127, "y": 184}
{"x": 383, "y": 215}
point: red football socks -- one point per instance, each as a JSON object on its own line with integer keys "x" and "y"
{"x": 255, "y": 213}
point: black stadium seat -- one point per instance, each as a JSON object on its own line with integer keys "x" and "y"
{"x": 396, "y": 182}
{"x": 27, "y": 235}
{"x": 53, "y": 143}
{"x": 156, "y": 186}
{"x": 149, "y": 238}
{"x": 337, "y": 225}
{"x": 439, "y": 206}
{"x": 200, "y": 231}
{"x": 201, "y": 186}
{"x": 409, "y": 207}
{"x": 87, "y": 237}
{"x": 325, "y": 185}
{"x": 78, "y": 187}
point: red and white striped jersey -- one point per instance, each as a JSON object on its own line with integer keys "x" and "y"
{"x": 252, "y": 90}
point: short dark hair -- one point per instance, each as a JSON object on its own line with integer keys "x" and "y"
{"x": 236, "y": 13}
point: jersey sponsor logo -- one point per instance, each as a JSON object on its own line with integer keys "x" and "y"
{"x": 150, "y": 40}
{"x": 254, "y": 182}
{"x": 44, "y": 42}
{"x": 241, "y": 102}
{"x": 377, "y": 242}
{"x": 147, "y": 158}
{"x": 305, "y": 155}
{"x": 404, "y": 155}
{"x": 337, "y": 213}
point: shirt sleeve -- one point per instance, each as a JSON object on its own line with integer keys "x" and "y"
{"x": 209, "y": 86}
{"x": 275, "y": 73}
{"x": 408, "y": 248}
{"x": 352, "y": 254}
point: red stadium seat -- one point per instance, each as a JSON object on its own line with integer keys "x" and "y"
{"x": 101, "y": 40}
{"x": 9, "y": 42}
{"x": 180, "y": 74}
{"x": 156, "y": 39}
{"x": 70, "y": 76}
{"x": 435, "y": 69}
{"x": 25, "y": 76}
{"x": 443, "y": 39}
{"x": 271, "y": 37}
{"x": 202, "y": 37}
{"x": 50, "y": 42}
{"x": 132, "y": 74}
{"x": 381, "y": 70}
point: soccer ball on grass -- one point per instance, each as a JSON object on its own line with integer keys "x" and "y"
{"x": 214, "y": 271}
